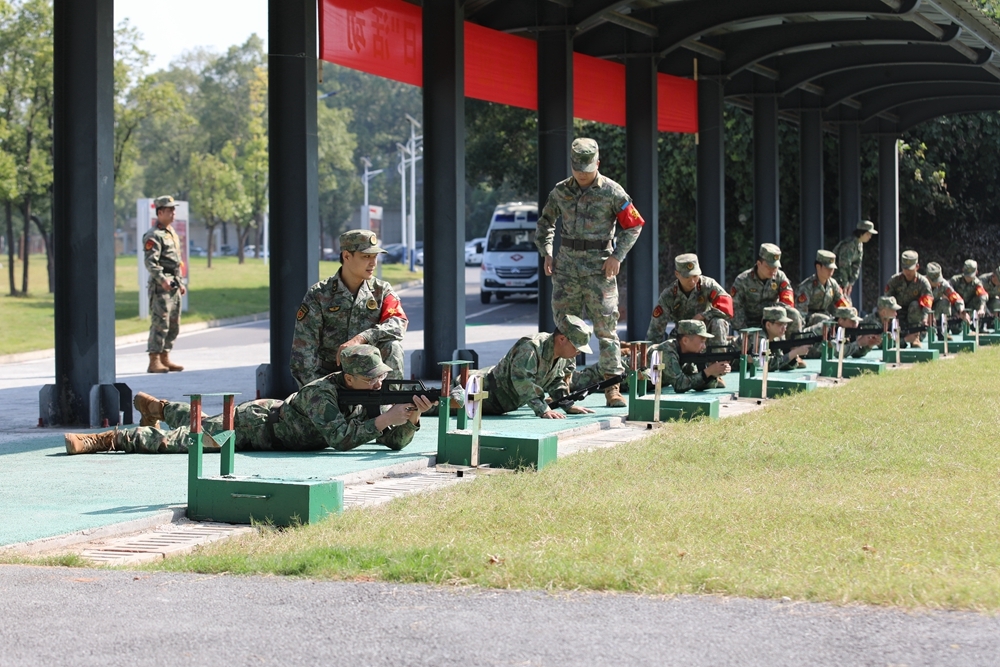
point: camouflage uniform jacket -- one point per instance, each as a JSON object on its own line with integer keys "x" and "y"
{"x": 527, "y": 372}
{"x": 906, "y": 292}
{"x": 974, "y": 294}
{"x": 812, "y": 297}
{"x": 751, "y": 295}
{"x": 312, "y": 415}
{"x": 708, "y": 299}
{"x": 681, "y": 377}
{"x": 330, "y": 316}
{"x": 849, "y": 254}
{"x": 942, "y": 292}
{"x": 161, "y": 249}
{"x": 992, "y": 291}
{"x": 589, "y": 215}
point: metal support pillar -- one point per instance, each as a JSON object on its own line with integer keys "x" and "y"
{"x": 444, "y": 183}
{"x": 811, "y": 236}
{"x": 711, "y": 206}
{"x": 294, "y": 184}
{"x": 766, "y": 219}
{"x": 888, "y": 207}
{"x": 555, "y": 134}
{"x": 83, "y": 216}
{"x": 641, "y": 134}
{"x": 850, "y": 188}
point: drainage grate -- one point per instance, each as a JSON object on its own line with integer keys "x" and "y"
{"x": 168, "y": 540}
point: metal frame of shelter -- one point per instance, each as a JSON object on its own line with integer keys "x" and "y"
{"x": 852, "y": 66}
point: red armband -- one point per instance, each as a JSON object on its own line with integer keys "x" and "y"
{"x": 628, "y": 217}
{"x": 981, "y": 291}
{"x": 842, "y": 303}
{"x": 954, "y": 297}
{"x": 723, "y": 302}
{"x": 785, "y": 295}
{"x": 391, "y": 307}
{"x": 926, "y": 302}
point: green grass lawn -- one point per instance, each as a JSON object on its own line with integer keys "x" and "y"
{"x": 228, "y": 289}
{"x": 885, "y": 491}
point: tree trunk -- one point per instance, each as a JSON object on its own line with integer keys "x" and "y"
{"x": 49, "y": 265}
{"x": 242, "y": 233}
{"x": 10, "y": 248}
{"x": 27, "y": 228}
{"x": 225, "y": 233}
{"x": 211, "y": 239}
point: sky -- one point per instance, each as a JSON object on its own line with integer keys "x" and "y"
{"x": 171, "y": 27}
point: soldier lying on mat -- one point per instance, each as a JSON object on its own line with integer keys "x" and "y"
{"x": 308, "y": 420}
{"x": 775, "y": 324}
{"x": 692, "y": 337}
{"x": 847, "y": 317}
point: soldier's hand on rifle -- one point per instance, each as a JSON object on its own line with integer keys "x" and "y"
{"x": 578, "y": 410}
{"x": 552, "y": 414}
{"x": 966, "y": 316}
{"x": 797, "y": 352}
{"x": 357, "y": 340}
{"x": 871, "y": 340}
{"x": 717, "y": 369}
{"x": 611, "y": 267}
{"x": 548, "y": 265}
{"x": 421, "y": 404}
{"x": 394, "y": 416}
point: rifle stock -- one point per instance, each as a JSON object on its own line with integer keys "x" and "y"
{"x": 568, "y": 400}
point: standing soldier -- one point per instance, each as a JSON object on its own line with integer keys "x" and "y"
{"x": 583, "y": 278}
{"x": 161, "y": 249}
{"x": 692, "y": 296}
{"x": 947, "y": 301}
{"x": 761, "y": 286}
{"x": 912, "y": 292}
{"x": 849, "y": 253}
{"x": 350, "y": 308}
{"x": 819, "y": 296}
{"x": 971, "y": 289}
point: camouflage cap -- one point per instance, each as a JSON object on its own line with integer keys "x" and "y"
{"x": 910, "y": 259}
{"x": 775, "y": 314}
{"x": 584, "y": 155}
{"x": 687, "y": 265}
{"x": 360, "y": 240}
{"x": 847, "y": 313}
{"x": 692, "y": 328}
{"x": 166, "y": 201}
{"x": 888, "y": 302}
{"x": 867, "y": 226}
{"x": 933, "y": 271}
{"x": 578, "y": 332}
{"x": 970, "y": 268}
{"x": 826, "y": 258}
{"x": 771, "y": 254}
{"x": 363, "y": 360}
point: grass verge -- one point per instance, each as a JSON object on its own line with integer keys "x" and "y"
{"x": 228, "y": 289}
{"x": 884, "y": 491}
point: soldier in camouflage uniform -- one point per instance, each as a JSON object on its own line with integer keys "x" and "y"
{"x": 912, "y": 292}
{"x": 775, "y": 323}
{"x": 886, "y": 310}
{"x": 537, "y": 365}
{"x": 947, "y": 301}
{"x": 161, "y": 248}
{"x": 692, "y": 337}
{"x": 819, "y": 296}
{"x": 583, "y": 276}
{"x": 350, "y": 308}
{"x": 849, "y": 253}
{"x": 971, "y": 289}
{"x": 308, "y": 420}
{"x": 846, "y": 318}
{"x": 761, "y": 286}
{"x": 991, "y": 283}
{"x": 692, "y": 296}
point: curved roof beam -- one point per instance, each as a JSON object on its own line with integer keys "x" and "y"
{"x": 912, "y": 114}
{"x": 889, "y": 98}
{"x": 690, "y": 19}
{"x": 845, "y": 85}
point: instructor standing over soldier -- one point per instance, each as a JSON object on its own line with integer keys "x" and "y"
{"x": 584, "y": 275}
{"x": 161, "y": 249}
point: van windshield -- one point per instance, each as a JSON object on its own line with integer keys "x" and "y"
{"x": 511, "y": 240}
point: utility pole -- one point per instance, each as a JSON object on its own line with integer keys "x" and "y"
{"x": 412, "y": 149}
{"x": 367, "y": 176}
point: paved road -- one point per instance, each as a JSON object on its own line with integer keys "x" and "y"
{"x": 56, "y": 616}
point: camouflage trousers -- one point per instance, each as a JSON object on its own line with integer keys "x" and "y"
{"x": 164, "y": 318}
{"x": 719, "y": 328}
{"x": 914, "y": 314}
{"x": 580, "y": 288}
{"x": 250, "y": 424}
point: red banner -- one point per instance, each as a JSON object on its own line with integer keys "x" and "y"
{"x": 598, "y": 90}
{"x": 500, "y": 67}
{"x": 381, "y": 37}
{"x": 676, "y": 104}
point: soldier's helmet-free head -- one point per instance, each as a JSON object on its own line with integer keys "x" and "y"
{"x": 970, "y": 268}
{"x": 583, "y": 155}
{"x": 826, "y": 258}
{"x": 888, "y": 302}
{"x": 687, "y": 265}
{"x": 692, "y": 328}
{"x": 771, "y": 254}
{"x": 847, "y": 313}
{"x": 360, "y": 240}
{"x": 363, "y": 360}
{"x": 166, "y": 201}
{"x": 578, "y": 332}
{"x": 775, "y": 314}
{"x": 910, "y": 259}
{"x": 867, "y": 226}
{"x": 933, "y": 272}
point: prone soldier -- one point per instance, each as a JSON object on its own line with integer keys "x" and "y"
{"x": 775, "y": 321}
{"x": 886, "y": 310}
{"x": 968, "y": 285}
{"x": 308, "y": 420}
{"x": 692, "y": 296}
{"x": 591, "y": 206}
{"x": 691, "y": 338}
{"x": 847, "y": 318}
{"x": 912, "y": 292}
{"x": 352, "y": 307}
{"x": 850, "y": 252}
{"x": 819, "y": 296}
{"x": 161, "y": 249}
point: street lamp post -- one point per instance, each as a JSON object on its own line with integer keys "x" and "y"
{"x": 367, "y": 176}
{"x": 414, "y": 124}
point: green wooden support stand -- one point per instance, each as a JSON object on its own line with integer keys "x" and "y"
{"x": 851, "y": 367}
{"x": 751, "y": 386}
{"x": 954, "y": 346}
{"x": 908, "y": 356}
{"x": 641, "y": 408}
{"x": 991, "y": 336}
{"x": 232, "y": 499}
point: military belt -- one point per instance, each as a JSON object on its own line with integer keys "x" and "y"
{"x": 584, "y": 244}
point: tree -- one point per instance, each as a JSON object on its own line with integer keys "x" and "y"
{"x": 339, "y": 188}
{"x": 216, "y": 193}
{"x": 253, "y": 162}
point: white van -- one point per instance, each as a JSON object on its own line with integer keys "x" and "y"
{"x": 510, "y": 258}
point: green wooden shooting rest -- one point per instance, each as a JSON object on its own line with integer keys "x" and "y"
{"x": 991, "y": 336}
{"x": 232, "y": 499}
{"x": 908, "y": 356}
{"x": 495, "y": 450}
{"x": 641, "y": 407}
{"x": 751, "y": 386}
{"x": 966, "y": 344}
{"x": 851, "y": 367}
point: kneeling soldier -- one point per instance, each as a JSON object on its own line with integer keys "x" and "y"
{"x": 947, "y": 300}
{"x": 761, "y": 286}
{"x": 692, "y": 337}
{"x": 912, "y": 292}
{"x": 819, "y": 295}
{"x": 308, "y": 420}
{"x": 692, "y": 296}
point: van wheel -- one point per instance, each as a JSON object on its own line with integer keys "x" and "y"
{"x": 501, "y": 296}
{"x": 484, "y": 297}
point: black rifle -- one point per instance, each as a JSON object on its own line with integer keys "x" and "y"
{"x": 393, "y": 392}
{"x": 568, "y": 400}
{"x": 727, "y": 354}
{"x": 792, "y": 343}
